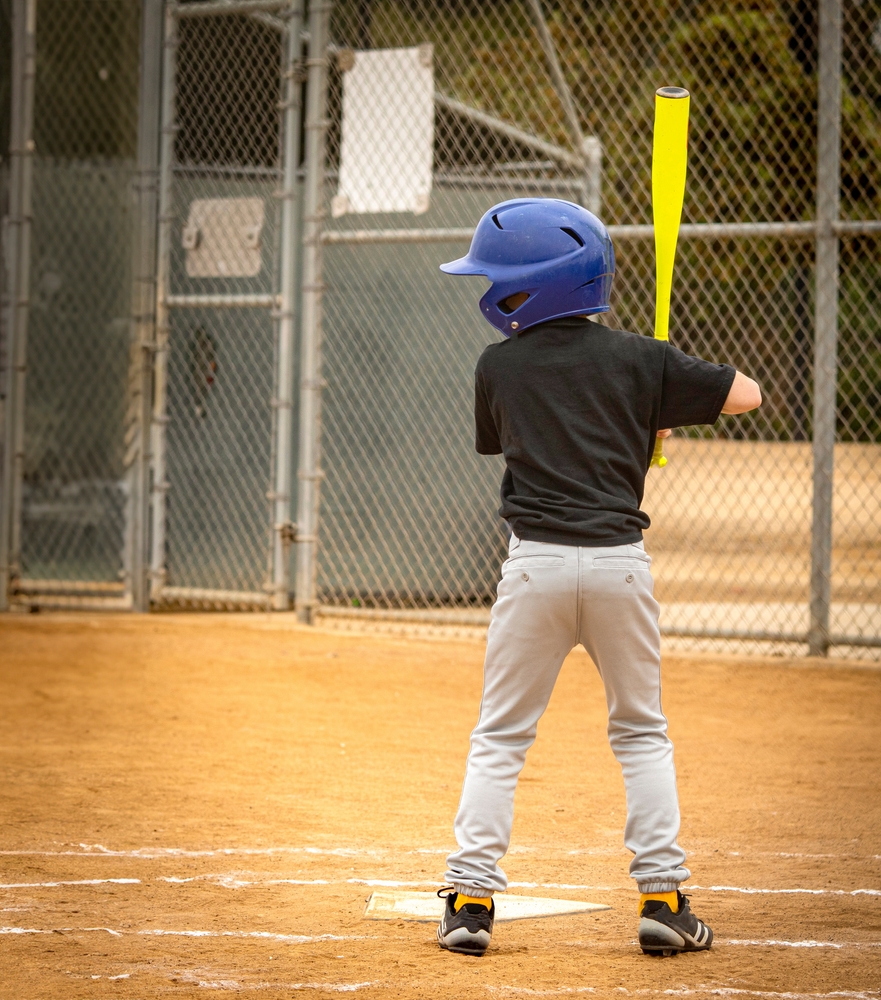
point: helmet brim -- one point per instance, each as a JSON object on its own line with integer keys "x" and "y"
{"x": 464, "y": 265}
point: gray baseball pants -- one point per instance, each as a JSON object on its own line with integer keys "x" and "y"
{"x": 550, "y": 598}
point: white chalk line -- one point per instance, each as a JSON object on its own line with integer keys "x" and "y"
{"x": 79, "y": 881}
{"x": 153, "y": 853}
{"x": 771, "y": 943}
{"x": 260, "y": 935}
{"x": 689, "y": 991}
{"x": 60, "y": 930}
{"x": 688, "y": 887}
{"x": 158, "y": 853}
{"x": 790, "y": 854}
{"x": 233, "y": 881}
{"x": 157, "y": 932}
{"x": 232, "y": 984}
{"x": 533, "y": 992}
{"x": 308, "y": 938}
{"x": 235, "y": 984}
{"x": 811, "y": 892}
{"x": 755, "y": 943}
{"x": 122, "y": 975}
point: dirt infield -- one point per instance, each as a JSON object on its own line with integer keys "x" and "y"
{"x": 203, "y": 803}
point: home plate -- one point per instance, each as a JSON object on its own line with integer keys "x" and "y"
{"x": 398, "y": 904}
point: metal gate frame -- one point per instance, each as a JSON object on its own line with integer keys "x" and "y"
{"x": 130, "y": 594}
{"x": 289, "y": 19}
{"x": 21, "y": 154}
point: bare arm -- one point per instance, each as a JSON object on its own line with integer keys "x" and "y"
{"x": 744, "y": 395}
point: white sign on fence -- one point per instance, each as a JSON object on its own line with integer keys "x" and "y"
{"x": 387, "y": 132}
{"x": 222, "y": 237}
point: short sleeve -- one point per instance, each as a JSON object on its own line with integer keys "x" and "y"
{"x": 487, "y": 436}
{"x": 694, "y": 391}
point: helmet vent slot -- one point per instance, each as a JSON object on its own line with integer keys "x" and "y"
{"x": 513, "y": 302}
{"x": 496, "y": 221}
{"x": 572, "y": 233}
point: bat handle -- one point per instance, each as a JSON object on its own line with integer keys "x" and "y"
{"x": 658, "y": 454}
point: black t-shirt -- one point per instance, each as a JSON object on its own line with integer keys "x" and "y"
{"x": 574, "y": 407}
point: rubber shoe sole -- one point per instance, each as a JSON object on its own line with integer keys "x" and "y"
{"x": 663, "y": 932}
{"x": 464, "y": 942}
{"x": 467, "y": 932}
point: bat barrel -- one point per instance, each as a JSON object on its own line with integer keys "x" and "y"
{"x": 669, "y": 165}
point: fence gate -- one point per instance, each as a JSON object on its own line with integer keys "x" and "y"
{"x": 150, "y": 263}
{"x": 222, "y": 422}
{"x": 65, "y": 533}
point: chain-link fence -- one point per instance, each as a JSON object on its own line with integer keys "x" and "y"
{"x": 220, "y": 285}
{"x": 404, "y": 517}
{"x": 69, "y": 523}
{"x": 315, "y": 168}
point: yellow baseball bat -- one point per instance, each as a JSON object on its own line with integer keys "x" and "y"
{"x": 669, "y": 164}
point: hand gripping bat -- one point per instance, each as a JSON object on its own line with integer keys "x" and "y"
{"x": 669, "y": 162}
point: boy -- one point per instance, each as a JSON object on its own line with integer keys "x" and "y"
{"x": 575, "y": 408}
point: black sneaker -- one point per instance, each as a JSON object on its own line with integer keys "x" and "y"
{"x": 467, "y": 932}
{"x": 663, "y": 932}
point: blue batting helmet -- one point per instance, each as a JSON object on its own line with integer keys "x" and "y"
{"x": 557, "y": 253}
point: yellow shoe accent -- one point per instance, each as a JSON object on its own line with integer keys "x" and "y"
{"x": 461, "y": 900}
{"x": 670, "y": 898}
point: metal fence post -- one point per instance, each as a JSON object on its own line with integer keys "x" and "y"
{"x": 284, "y": 402}
{"x": 21, "y": 150}
{"x": 556, "y": 70}
{"x": 143, "y": 308}
{"x": 168, "y": 131}
{"x": 589, "y": 147}
{"x": 309, "y": 471}
{"x": 826, "y": 320}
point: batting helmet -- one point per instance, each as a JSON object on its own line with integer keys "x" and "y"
{"x": 556, "y": 254}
